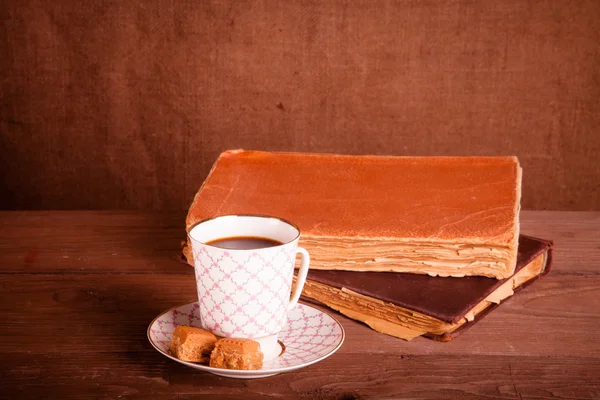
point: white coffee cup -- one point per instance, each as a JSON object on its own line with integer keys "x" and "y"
{"x": 245, "y": 293}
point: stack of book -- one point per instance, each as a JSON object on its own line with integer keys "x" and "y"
{"x": 411, "y": 246}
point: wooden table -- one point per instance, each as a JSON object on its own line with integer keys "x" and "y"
{"x": 79, "y": 289}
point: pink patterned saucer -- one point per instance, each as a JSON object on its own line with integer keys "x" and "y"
{"x": 309, "y": 336}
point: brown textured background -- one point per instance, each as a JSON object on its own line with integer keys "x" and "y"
{"x": 126, "y": 104}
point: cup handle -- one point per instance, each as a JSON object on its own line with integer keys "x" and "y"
{"x": 301, "y": 278}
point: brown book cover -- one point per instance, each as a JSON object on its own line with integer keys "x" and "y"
{"x": 447, "y": 216}
{"x": 439, "y": 308}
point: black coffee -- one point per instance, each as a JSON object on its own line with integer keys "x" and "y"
{"x": 244, "y": 243}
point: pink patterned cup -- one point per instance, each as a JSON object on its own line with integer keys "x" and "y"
{"x": 246, "y": 293}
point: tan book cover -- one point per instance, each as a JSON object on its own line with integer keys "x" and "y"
{"x": 446, "y": 216}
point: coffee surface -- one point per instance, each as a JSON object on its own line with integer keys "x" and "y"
{"x": 244, "y": 243}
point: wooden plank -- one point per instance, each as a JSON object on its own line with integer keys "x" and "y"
{"x": 103, "y": 313}
{"x": 91, "y": 242}
{"x": 135, "y": 242}
{"x": 141, "y": 375}
{"x": 576, "y": 237}
{"x": 75, "y": 318}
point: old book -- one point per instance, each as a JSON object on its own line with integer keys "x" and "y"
{"x": 447, "y": 216}
{"x": 409, "y": 305}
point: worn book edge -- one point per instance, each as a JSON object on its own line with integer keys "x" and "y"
{"x": 407, "y": 324}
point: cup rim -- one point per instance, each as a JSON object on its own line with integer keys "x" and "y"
{"x": 263, "y": 216}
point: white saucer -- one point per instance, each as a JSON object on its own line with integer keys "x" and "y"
{"x": 309, "y": 337}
